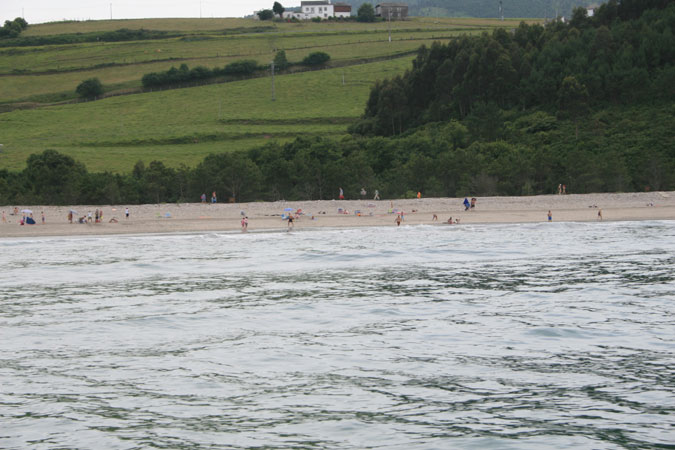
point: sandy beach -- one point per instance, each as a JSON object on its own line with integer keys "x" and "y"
{"x": 206, "y": 217}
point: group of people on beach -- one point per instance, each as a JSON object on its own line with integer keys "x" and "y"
{"x": 26, "y": 216}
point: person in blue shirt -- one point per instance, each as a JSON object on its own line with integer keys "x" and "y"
{"x": 467, "y": 205}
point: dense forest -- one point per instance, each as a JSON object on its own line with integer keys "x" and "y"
{"x": 588, "y": 104}
{"x": 486, "y": 8}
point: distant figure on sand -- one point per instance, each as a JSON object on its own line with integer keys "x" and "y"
{"x": 363, "y": 193}
{"x": 450, "y": 221}
{"x": 419, "y": 195}
{"x": 434, "y": 218}
{"x": 290, "y": 222}
{"x": 377, "y": 195}
{"x": 4, "y": 219}
{"x": 203, "y": 198}
{"x": 42, "y": 213}
{"x": 213, "y": 197}
{"x": 244, "y": 224}
{"x": 473, "y": 202}
{"x": 560, "y": 189}
{"x": 550, "y": 216}
{"x": 398, "y": 221}
{"x": 126, "y": 212}
{"x": 600, "y": 214}
{"x": 466, "y": 204}
{"x": 342, "y": 194}
{"x": 564, "y": 189}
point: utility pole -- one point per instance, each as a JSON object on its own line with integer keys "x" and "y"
{"x": 274, "y": 97}
{"x": 111, "y": 11}
{"x": 389, "y": 24}
{"x": 343, "y": 77}
{"x": 501, "y": 10}
{"x": 200, "y": 9}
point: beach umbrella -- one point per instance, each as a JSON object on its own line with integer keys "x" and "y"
{"x": 288, "y": 209}
{"x": 73, "y": 211}
{"x": 27, "y": 211}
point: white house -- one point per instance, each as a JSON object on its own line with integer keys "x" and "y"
{"x": 322, "y": 9}
{"x": 317, "y": 8}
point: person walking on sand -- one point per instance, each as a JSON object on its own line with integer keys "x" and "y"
{"x": 377, "y": 195}
{"x": 363, "y": 193}
{"x": 342, "y": 194}
{"x": 419, "y": 195}
{"x": 434, "y": 218}
{"x": 560, "y": 189}
{"x": 550, "y": 216}
{"x": 203, "y": 197}
{"x": 213, "y": 197}
{"x": 466, "y": 204}
{"x": 600, "y": 214}
{"x": 398, "y": 221}
{"x": 290, "y": 222}
{"x": 4, "y": 219}
{"x": 126, "y": 212}
{"x": 43, "y": 217}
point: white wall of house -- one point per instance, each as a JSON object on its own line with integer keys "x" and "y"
{"x": 322, "y": 11}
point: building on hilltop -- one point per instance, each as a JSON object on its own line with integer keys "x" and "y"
{"x": 392, "y": 11}
{"x": 321, "y": 9}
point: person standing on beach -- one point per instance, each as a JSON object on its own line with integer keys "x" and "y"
{"x": 203, "y": 197}
{"x": 290, "y": 222}
{"x": 363, "y": 193}
{"x": 342, "y": 194}
{"x": 398, "y": 221}
{"x": 126, "y": 212}
{"x": 4, "y": 219}
{"x": 213, "y": 197}
{"x": 560, "y": 189}
{"x": 550, "y": 216}
{"x": 419, "y": 195}
{"x": 377, "y": 195}
{"x": 466, "y": 204}
{"x": 600, "y": 214}
{"x": 564, "y": 189}
{"x": 41, "y": 212}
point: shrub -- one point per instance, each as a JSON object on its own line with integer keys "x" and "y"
{"x": 316, "y": 59}
{"x": 266, "y": 14}
{"x": 90, "y": 88}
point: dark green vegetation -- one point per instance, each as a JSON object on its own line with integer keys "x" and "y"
{"x": 12, "y": 28}
{"x": 90, "y": 88}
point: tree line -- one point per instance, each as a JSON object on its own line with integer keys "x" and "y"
{"x": 621, "y": 55}
{"x": 243, "y": 68}
{"x": 123, "y": 34}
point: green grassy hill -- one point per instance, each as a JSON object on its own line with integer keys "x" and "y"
{"x": 181, "y": 126}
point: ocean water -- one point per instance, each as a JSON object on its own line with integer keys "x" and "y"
{"x": 533, "y": 336}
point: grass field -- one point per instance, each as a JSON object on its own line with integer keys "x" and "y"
{"x": 181, "y": 126}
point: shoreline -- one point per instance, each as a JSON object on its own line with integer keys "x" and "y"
{"x": 266, "y": 216}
